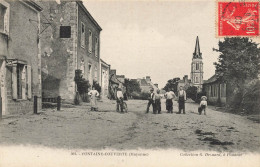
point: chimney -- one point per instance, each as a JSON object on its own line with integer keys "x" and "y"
{"x": 112, "y": 71}
{"x": 156, "y": 85}
{"x": 148, "y": 78}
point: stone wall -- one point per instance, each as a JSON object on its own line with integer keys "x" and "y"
{"x": 22, "y": 45}
{"x": 58, "y": 54}
{"x": 86, "y": 55}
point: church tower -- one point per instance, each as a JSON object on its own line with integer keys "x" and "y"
{"x": 197, "y": 67}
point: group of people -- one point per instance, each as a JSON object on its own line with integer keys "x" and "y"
{"x": 154, "y": 100}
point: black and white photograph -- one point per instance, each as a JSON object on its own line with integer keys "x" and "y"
{"x": 129, "y": 83}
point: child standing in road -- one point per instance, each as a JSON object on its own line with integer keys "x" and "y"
{"x": 203, "y": 105}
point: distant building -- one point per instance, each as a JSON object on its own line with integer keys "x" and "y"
{"x": 105, "y": 68}
{"x": 121, "y": 79}
{"x": 20, "y": 60}
{"x": 71, "y": 41}
{"x": 185, "y": 83}
{"x": 115, "y": 81}
{"x": 216, "y": 90}
{"x": 146, "y": 84}
{"x": 197, "y": 67}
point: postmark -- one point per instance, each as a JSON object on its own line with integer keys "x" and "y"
{"x": 238, "y": 18}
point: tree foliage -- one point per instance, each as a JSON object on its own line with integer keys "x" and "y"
{"x": 172, "y": 84}
{"x": 239, "y": 63}
{"x": 191, "y": 92}
{"x": 132, "y": 86}
{"x": 239, "y": 59}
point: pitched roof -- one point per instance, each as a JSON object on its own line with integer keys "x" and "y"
{"x": 211, "y": 79}
{"x": 197, "y": 54}
{"x": 80, "y": 3}
{"x": 143, "y": 82}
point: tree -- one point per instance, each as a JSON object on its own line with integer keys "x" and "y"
{"x": 132, "y": 86}
{"x": 192, "y": 92}
{"x": 239, "y": 62}
{"x": 172, "y": 84}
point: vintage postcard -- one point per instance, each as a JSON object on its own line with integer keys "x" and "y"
{"x": 119, "y": 83}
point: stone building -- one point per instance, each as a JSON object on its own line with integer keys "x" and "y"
{"x": 70, "y": 42}
{"x": 20, "y": 60}
{"x": 216, "y": 90}
{"x": 115, "y": 81}
{"x": 105, "y": 68}
{"x": 197, "y": 67}
{"x": 185, "y": 83}
{"x": 146, "y": 84}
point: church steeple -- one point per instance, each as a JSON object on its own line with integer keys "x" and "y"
{"x": 197, "y": 54}
{"x": 197, "y": 67}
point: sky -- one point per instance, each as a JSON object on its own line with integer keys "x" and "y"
{"x": 155, "y": 38}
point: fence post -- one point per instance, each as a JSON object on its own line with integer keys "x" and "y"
{"x": 58, "y": 103}
{"x": 35, "y": 105}
{"x": 1, "y": 108}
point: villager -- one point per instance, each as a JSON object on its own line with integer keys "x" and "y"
{"x": 93, "y": 98}
{"x": 203, "y": 105}
{"x": 151, "y": 101}
{"x": 119, "y": 100}
{"x": 157, "y": 102}
{"x": 169, "y": 104}
{"x": 181, "y": 100}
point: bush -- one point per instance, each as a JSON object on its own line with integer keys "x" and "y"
{"x": 250, "y": 102}
{"x": 199, "y": 95}
{"x": 82, "y": 87}
{"x": 192, "y": 92}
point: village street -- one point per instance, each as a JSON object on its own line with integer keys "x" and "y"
{"x": 77, "y": 127}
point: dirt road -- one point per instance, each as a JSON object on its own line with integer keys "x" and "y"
{"x": 79, "y": 128}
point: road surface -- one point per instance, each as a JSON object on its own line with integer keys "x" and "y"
{"x": 77, "y": 127}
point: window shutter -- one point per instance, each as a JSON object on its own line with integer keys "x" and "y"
{"x": 29, "y": 81}
{"x": 14, "y": 81}
{"x": 23, "y": 77}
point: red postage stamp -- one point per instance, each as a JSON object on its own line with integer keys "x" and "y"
{"x": 238, "y": 18}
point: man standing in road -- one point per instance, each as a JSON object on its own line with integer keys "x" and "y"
{"x": 151, "y": 100}
{"x": 181, "y": 100}
{"x": 119, "y": 100}
{"x": 169, "y": 104}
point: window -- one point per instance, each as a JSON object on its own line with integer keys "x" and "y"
{"x": 96, "y": 47}
{"x": 4, "y": 17}
{"x": 82, "y": 66}
{"x": 96, "y": 72}
{"x": 196, "y": 80}
{"x": 90, "y": 73}
{"x": 223, "y": 88}
{"x": 211, "y": 91}
{"x": 65, "y": 31}
{"x": 82, "y": 35}
{"x": 90, "y": 42}
{"x": 21, "y": 81}
{"x": 197, "y": 66}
